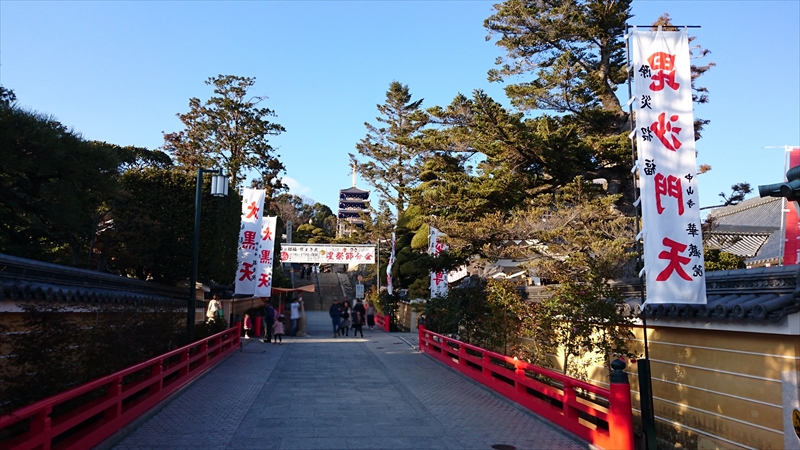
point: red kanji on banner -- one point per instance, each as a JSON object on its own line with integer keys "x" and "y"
{"x": 669, "y": 186}
{"x": 438, "y": 247}
{"x": 263, "y": 280}
{"x": 249, "y": 241}
{"x": 246, "y": 271}
{"x": 661, "y": 128}
{"x": 663, "y": 67}
{"x": 676, "y": 261}
{"x": 253, "y": 211}
{"x": 284, "y": 256}
{"x": 265, "y": 256}
{"x": 438, "y": 277}
{"x": 267, "y": 234}
{"x": 367, "y": 256}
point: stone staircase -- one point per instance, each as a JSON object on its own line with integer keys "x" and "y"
{"x": 327, "y": 287}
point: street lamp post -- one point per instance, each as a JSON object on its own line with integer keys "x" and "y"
{"x": 219, "y": 188}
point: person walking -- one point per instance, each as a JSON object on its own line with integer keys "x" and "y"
{"x": 358, "y": 322}
{"x": 370, "y": 314}
{"x": 344, "y": 326}
{"x": 295, "y": 314}
{"x": 279, "y": 330}
{"x": 359, "y": 310}
{"x": 335, "y": 312}
{"x": 214, "y": 308}
{"x": 248, "y": 325}
{"x": 269, "y": 322}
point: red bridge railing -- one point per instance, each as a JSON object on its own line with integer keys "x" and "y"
{"x": 601, "y": 416}
{"x": 119, "y": 398}
{"x": 382, "y": 321}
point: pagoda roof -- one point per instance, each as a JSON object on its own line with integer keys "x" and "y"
{"x": 353, "y": 190}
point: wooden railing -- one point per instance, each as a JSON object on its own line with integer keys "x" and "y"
{"x": 601, "y": 416}
{"x": 69, "y": 420}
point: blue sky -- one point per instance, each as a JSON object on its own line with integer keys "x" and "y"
{"x": 120, "y": 71}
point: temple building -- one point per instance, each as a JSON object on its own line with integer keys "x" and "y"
{"x": 352, "y": 203}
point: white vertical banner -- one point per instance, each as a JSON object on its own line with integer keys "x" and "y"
{"x": 265, "y": 256}
{"x": 438, "y": 279}
{"x": 389, "y": 268}
{"x": 249, "y": 242}
{"x": 673, "y": 242}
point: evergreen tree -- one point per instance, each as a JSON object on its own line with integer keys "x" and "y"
{"x": 229, "y": 130}
{"x": 391, "y": 152}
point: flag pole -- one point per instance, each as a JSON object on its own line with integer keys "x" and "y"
{"x": 645, "y": 380}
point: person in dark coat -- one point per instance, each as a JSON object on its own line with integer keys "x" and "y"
{"x": 336, "y": 316}
{"x": 269, "y": 321}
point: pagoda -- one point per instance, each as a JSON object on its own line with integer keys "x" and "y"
{"x": 353, "y": 202}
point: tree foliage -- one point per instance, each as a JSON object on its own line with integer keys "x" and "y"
{"x": 582, "y": 320}
{"x": 716, "y": 259}
{"x": 391, "y": 152}
{"x": 153, "y": 225}
{"x": 229, "y": 130}
{"x": 490, "y": 314}
{"x": 53, "y": 181}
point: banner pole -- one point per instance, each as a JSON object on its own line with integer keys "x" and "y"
{"x": 645, "y": 381}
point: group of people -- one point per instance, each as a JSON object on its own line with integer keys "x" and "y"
{"x": 273, "y": 323}
{"x": 305, "y": 272}
{"x": 346, "y": 318}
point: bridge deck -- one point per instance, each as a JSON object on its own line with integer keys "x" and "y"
{"x": 318, "y": 392}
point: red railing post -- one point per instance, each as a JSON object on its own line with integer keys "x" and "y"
{"x": 204, "y": 351}
{"x": 155, "y": 372}
{"x": 570, "y": 398}
{"x": 40, "y": 422}
{"x": 421, "y": 337}
{"x": 519, "y": 371}
{"x": 486, "y": 364}
{"x": 620, "y": 415}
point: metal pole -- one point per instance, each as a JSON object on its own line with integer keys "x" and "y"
{"x": 190, "y": 312}
{"x": 378, "y": 260}
{"x": 645, "y": 381}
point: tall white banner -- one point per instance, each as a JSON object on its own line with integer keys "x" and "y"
{"x": 266, "y": 248}
{"x": 673, "y": 246}
{"x": 438, "y": 279}
{"x": 389, "y": 287}
{"x": 249, "y": 241}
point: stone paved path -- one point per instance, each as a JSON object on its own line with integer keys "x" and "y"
{"x": 318, "y": 392}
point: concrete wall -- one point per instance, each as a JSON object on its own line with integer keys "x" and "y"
{"x": 719, "y": 389}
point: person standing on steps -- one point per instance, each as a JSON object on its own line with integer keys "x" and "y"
{"x": 335, "y": 312}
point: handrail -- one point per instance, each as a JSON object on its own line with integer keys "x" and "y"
{"x": 119, "y": 400}
{"x": 601, "y": 416}
{"x": 383, "y": 322}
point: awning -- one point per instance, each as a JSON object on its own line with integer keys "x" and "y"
{"x": 307, "y": 288}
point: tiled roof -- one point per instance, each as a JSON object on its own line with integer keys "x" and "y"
{"x": 28, "y": 280}
{"x": 750, "y": 229}
{"x": 760, "y": 294}
{"x": 758, "y": 212}
{"x": 764, "y": 293}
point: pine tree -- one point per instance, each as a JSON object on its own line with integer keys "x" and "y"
{"x": 391, "y": 152}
